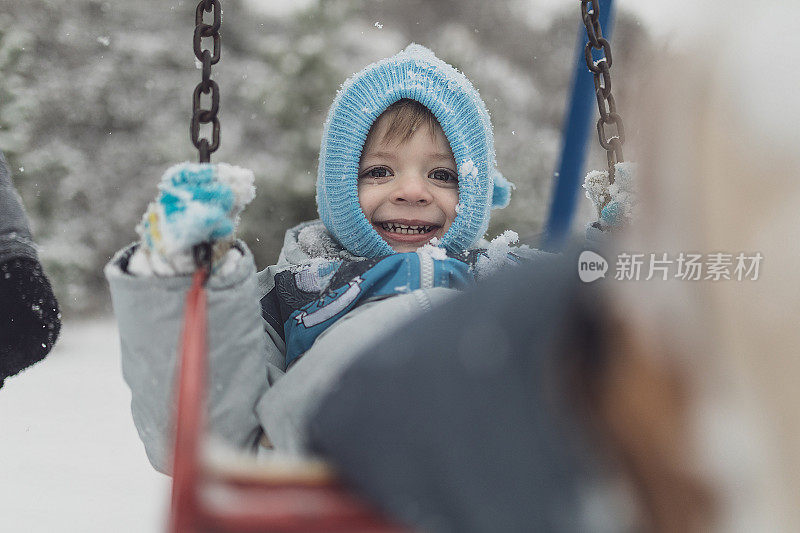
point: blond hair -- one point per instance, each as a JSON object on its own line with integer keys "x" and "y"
{"x": 405, "y": 117}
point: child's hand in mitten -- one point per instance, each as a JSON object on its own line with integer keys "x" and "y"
{"x": 197, "y": 202}
{"x": 616, "y": 202}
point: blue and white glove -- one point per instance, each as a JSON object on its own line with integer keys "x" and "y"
{"x": 615, "y": 203}
{"x": 197, "y": 202}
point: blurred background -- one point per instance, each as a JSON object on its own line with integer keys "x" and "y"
{"x": 95, "y": 102}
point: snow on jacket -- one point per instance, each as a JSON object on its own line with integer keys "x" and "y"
{"x": 260, "y": 324}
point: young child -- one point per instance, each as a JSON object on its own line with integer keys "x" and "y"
{"x": 407, "y": 179}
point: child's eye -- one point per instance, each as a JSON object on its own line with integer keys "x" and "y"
{"x": 443, "y": 174}
{"x": 376, "y": 172}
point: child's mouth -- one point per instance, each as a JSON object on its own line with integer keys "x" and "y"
{"x": 406, "y": 229}
{"x": 409, "y": 233}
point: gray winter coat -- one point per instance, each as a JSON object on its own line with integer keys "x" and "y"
{"x": 15, "y": 235}
{"x": 249, "y": 391}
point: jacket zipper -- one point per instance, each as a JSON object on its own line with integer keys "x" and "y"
{"x": 425, "y": 271}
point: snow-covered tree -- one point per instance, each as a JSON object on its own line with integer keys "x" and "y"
{"x": 95, "y": 102}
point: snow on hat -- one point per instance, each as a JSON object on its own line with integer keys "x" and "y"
{"x": 414, "y": 73}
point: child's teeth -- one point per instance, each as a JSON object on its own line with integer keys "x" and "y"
{"x": 405, "y": 229}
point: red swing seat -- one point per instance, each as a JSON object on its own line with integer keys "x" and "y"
{"x": 217, "y": 496}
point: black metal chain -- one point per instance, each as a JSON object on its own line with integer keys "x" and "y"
{"x": 602, "y": 85}
{"x": 207, "y": 85}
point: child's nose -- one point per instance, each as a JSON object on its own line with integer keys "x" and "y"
{"x": 412, "y": 189}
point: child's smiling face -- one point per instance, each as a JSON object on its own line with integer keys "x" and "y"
{"x": 408, "y": 189}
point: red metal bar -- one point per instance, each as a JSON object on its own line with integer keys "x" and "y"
{"x": 190, "y": 413}
{"x": 207, "y": 502}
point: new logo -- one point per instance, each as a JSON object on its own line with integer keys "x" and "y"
{"x": 591, "y": 266}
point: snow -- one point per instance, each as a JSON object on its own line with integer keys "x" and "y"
{"x": 612, "y": 200}
{"x": 496, "y": 254}
{"x": 467, "y": 169}
{"x": 433, "y": 251}
{"x": 315, "y": 241}
{"x": 69, "y": 454}
{"x": 240, "y": 180}
{"x": 595, "y": 185}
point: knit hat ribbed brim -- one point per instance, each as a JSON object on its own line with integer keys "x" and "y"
{"x": 415, "y": 73}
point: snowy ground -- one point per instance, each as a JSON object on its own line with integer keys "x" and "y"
{"x": 70, "y": 459}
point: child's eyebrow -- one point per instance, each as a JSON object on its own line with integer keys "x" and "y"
{"x": 382, "y": 155}
{"x": 436, "y": 156}
{"x": 440, "y": 155}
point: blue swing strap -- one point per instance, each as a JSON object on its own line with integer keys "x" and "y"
{"x": 585, "y": 83}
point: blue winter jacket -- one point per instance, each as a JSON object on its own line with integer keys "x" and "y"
{"x": 306, "y": 300}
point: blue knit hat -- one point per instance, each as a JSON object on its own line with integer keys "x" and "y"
{"x": 415, "y": 73}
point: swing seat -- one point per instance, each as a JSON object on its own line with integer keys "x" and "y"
{"x": 285, "y": 496}
{"x": 215, "y": 494}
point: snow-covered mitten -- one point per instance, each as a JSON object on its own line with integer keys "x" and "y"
{"x": 615, "y": 203}
{"x": 197, "y": 203}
